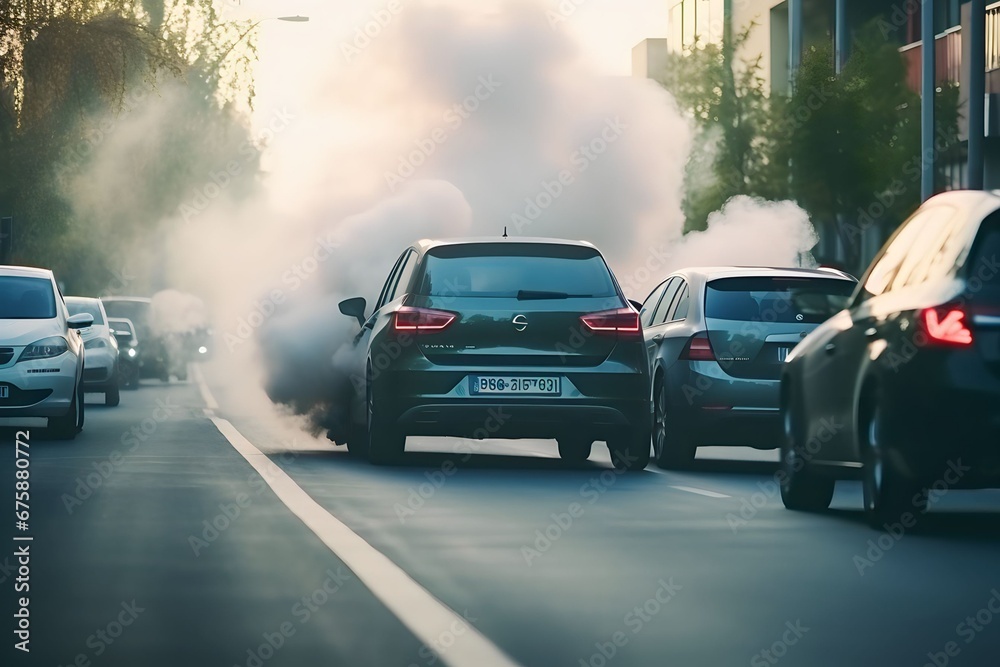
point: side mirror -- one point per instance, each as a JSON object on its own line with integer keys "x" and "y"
{"x": 636, "y": 305}
{"x": 355, "y": 308}
{"x": 80, "y": 321}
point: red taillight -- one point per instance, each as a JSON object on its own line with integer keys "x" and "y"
{"x": 945, "y": 325}
{"x": 623, "y": 322}
{"x": 699, "y": 348}
{"x": 421, "y": 320}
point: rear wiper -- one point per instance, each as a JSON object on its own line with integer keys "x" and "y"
{"x": 525, "y": 295}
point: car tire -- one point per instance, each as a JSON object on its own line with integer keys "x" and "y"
{"x": 800, "y": 489}
{"x": 575, "y": 450}
{"x": 887, "y": 494}
{"x": 630, "y": 451}
{"x": 385, "y": 442}
{"x": 67, "y": 426}
{"x": 673, "y": 450}
{"x": 112, "y": 396}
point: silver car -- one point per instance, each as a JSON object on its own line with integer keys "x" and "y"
{"x": 716, "y": 338}
{"x": 100, "y": 350}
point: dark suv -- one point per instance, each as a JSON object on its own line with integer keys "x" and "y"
{"x": 501, "y": 338}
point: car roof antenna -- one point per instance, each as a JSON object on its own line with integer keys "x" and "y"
{"x": 505, "y": 231}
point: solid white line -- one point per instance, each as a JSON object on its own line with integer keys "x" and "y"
{"x": 700, "y": 492}
{"x": 424, "y": 615}
{"x": 194, "y": 370}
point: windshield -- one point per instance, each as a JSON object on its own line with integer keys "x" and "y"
{"x": 23, "y": 298}
{"x": 88, "y": 306}
{"x": 799, "y": 300}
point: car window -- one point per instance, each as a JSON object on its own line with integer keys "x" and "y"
{"x": 24, "y": 298}
{"x": 519, "y": 270}
{"x": 982, "y": 268}
{"x": 76, "y": 307}
{"x": 804, "y": 300}
{"x": 934, "y": 249}
{"x": 886, "y": 265}
{"x": 405, "y": 273}
{"x": 679, "y": 310}
{"x": 668, "y": 296}
{"x": 649, "y": 305}
{"x": 390, "y": 282}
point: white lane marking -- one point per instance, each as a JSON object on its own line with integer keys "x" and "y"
{"x": 194, "y": 370}
{"x": 700, "y": 492}
{"x": 423, "y": 614}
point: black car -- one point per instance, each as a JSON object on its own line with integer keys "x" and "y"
{"x": 501, "y": 338}
{"x": 902, "y": 388}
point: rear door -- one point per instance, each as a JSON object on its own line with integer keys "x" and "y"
{"x": 516, "y": 304}
{"x": 652, "y": 330}
{"x": 754, "y": 322}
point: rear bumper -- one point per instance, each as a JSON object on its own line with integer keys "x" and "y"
{"x": 713, "y": 408}
{"x": 99, "y": 367}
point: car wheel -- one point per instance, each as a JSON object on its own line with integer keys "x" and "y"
{"x": 67, "y": 426}
{"x": 672, "y": 450}
{"x": 800, "y": 490}
{"x": 386, "y": 443}
{"x": 887, "y": 495}
{"x": 630, "y": 450}
{"x": 575, "y": 450}
{"x": 112, "y": 396}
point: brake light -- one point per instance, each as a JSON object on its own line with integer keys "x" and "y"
{"x": 623, "y": 322}
{"x": 698, "y": 348}
{"x": 421, "y": 320}
{"x": 945, "y": 325}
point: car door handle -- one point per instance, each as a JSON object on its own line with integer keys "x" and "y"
{"x": 830, "y": 348}
{"x": 871, "y": 332}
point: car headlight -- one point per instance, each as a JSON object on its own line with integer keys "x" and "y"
{"x": 131, "y": 352}
{"x": 95, "y": 344}
{"x": 202, "y": 350}
{"x": 44, "y": 349}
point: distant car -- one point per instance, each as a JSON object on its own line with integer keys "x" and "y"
{"x": 154, "y": 354}
{"x": 716, "y": 339}
{"x": 128, "y": 351}
{"x": 41, "y": 352}
{"x": 501, "y": 338}
{"x": 902, "y": 387}
{"x": 100, "y": 350}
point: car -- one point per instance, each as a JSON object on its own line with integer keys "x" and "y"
{"x": 154, "y": 353}
{"x": 100, "y": 350}
{"x": 41, "y": 352}
{"x": 901, "y": 387}
{"x": 716, "y": 338}
{"x": 128, "y": 351}
{"x": 500, "y": 338}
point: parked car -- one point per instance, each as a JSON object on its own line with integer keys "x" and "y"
{"x": 100, "y": 350}
{"x": 716, "y": 339}
{"x": 901, "y": 388}
{"x": 128, "y": 351}
{"x": 154, "y": 353}
{"x": 41, "y": 352}
{"x": 501, "y": 338}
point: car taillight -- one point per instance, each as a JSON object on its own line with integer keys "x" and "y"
{"x": 698, "y": 348}
{"x": 421, "y": 320}
{"x": 623, "y": 322}
{"x": 945, "y": 325}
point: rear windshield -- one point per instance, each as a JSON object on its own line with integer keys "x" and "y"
{"x": 137, "y": 311}
{"x": 24, "y": 298}
{"x": 983, "y": 265}
{"x": 76, "y": 307}
{"x": 799, "y": 300}
{"x": 516, "y": 270}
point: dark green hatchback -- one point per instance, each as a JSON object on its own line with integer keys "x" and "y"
{"x": 501, "y": 338}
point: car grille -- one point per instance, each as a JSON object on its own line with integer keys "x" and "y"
{"x": 17, "y": 397}
{"x": 6, "y": 354}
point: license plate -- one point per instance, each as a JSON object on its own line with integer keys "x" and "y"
{"x": 497, "y": 384}
{"x": 4, "y": 391}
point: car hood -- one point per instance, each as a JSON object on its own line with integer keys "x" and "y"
{"x": 18, "y": 333}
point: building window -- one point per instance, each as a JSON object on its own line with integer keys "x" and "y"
{"x": 695, "y": 21}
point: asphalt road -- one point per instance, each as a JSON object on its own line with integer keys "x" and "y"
{"x": 162, "y": 537}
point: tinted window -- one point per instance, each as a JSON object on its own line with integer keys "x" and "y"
{"x": 649, "y": 305}
{"x": 389, "y": 282}
{"x": 90, "y": 307}
{"x": 405, "y": 273}
{"x": 668, "y": 296}
{"x": 799, "y": 300}
{"x": 982, "y": 266}
{"x": 24, "y": 298}
{"x": 680, "y": 310}
{"x": 518, "y": 270}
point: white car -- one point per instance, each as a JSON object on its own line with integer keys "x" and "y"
{"x": 100, "y": 350}
{"x": 41, "y": 352}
